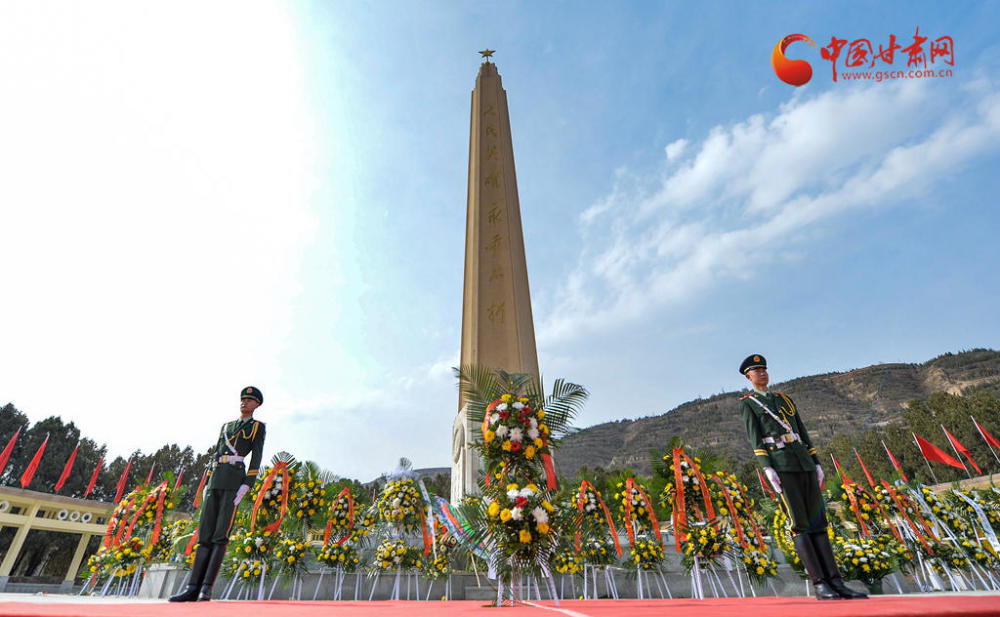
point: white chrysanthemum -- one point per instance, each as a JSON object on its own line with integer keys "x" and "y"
{"x": 513, "y": 493}
{"x": 494, "y": 418}
{"x": 527, "y": 492}
{"x": 516, "y": 514}
{"x": 258, "y": 541}
{"x": 501, "y": 406}
{"x": 516, "y": 434}
{"x": 501, "y": 430}
{"x": 590, "y": 507}
{"x": 534, "y": 422}
{"x": 541, "y": 516}
{"x": 518, "y": 405}
{"x": 533, "y": 434}
{"x": 396, "y": 502}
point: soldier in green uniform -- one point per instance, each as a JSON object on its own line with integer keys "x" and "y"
{"x": 782, "y": 447}
{"x": 227, "y": 484}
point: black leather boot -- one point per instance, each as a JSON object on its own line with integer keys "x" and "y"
{"x": 218, "y": 553}
{"x": 201, "y": 558}
{"x": 824, "y": 553}
{"x": 804, "y": 547}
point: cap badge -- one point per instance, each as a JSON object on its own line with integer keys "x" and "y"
{"x": 756, "y": 358}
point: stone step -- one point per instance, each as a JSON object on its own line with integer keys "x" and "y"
{"x": 480, "y": 593}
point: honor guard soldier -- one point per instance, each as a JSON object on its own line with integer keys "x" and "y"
{"x": 228, "y": 483}
{"x": 782, "y": 447}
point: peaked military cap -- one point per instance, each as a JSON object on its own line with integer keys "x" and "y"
{"x": 252, "y": 392}
{"x": 754, "y": 361}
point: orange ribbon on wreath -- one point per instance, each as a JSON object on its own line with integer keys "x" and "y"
{"x": 121, "y": 526}
{"x": 607, "y": 515}
{"x": 680, "y": 509}
{"x": 423, "y": 531}
{"x": 881, "y": 510}
{"x": 200, "y": 489}
{"x": 753, "y": 523}
{"x": 281, "y": 466}
{"x": 920, "y": 517}
{"x": 159, "y": 492}
{"x": 550, "y": 469}
{"x": 191, "y": 542}
{"x": 854, "y": 505}
{"x": 630, "y": 486}
{"x": 896, "y": 498}
{"x": 732, "y": 509}
{"x": 120, "y": 509}
{"x": 158, "y": 521}
{"x": 346, "y": 492}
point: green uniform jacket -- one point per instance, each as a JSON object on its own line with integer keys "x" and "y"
{"x": 795, "y": 456}
{"x": 247, "y": 437}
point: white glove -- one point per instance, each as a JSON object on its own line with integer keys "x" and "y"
{"x": 819, "y": 474}
{"x": 240, "y": 492}
{"x": 772, "y": 477}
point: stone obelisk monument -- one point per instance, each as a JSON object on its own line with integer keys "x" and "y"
{"x": 497, "y": 330}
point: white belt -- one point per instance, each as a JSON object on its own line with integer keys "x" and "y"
{"x": 782, "y": 440}
{"x": 231, "y": 459}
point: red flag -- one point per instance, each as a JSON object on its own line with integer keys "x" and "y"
{"x": 936, "y": 454}
{"x": 149, "y": 478}
{"x": 844, "y": 480}
{"x": 93, "y": 478}
{"x": 201, "y": 485}
{"x": 29, "y": 473}
{"x": 66, "y": 469}
{"x": 895, "y": 463}
{"x": 965, "y": 451}
{"x": 865, "y": 469}
{"x": 990, "y": 439}
{"x": 5, "y": 455}
{"x": 121, "y": 482}
{"x": 180, "y": 475}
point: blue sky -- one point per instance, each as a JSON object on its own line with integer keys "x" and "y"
{"x": 202, "y": 197}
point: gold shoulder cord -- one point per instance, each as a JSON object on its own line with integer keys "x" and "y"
{"x": 791, "y": 405}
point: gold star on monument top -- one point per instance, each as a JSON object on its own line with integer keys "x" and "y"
{"x": 487, "y": 53}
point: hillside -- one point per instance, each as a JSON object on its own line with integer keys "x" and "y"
{"x": 832, "y": 403}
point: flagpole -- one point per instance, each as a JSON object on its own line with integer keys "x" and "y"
{"x": 894, "y": 462}
{"x": 988, "y": 444}
{"x": 926, "y": 462}
{"x": 955, "y": 450}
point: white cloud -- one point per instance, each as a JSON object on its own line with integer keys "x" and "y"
{"x": 155, "y": 208}
{"x": 665, "y": 238}
{"x": 675, "y": 148}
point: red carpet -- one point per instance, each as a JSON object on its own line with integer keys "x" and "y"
{"x": 894, "y": 606}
